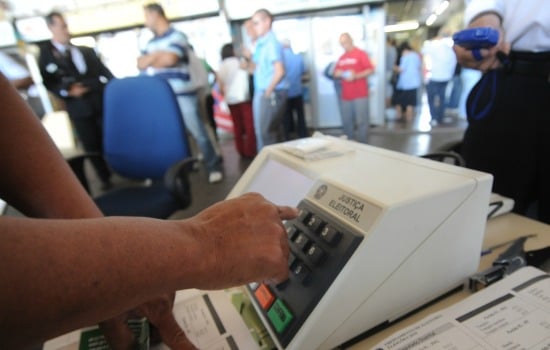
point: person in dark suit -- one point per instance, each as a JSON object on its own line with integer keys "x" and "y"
{"x": 77, "y": 76}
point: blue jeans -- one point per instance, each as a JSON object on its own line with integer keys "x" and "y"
{"x": 436, "y": 99}
{"x": 355, "y": 116}
{"x": 268, "y": 117}
{"x": 456, "y": 92}
{"x": 193, "y": 122}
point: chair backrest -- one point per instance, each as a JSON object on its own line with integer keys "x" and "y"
{"x": 144, "y": 133}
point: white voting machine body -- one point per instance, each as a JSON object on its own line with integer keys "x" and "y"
{"x": 379, "y": 234}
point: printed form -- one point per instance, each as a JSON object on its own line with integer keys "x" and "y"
{"x": 514, "y": 313}
{"x": 211, "y": 321}
{"x": 209, "y": 318}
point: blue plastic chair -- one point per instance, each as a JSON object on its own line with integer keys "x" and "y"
{"x": 145, "y": 138}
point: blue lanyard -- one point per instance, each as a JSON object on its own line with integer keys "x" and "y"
{"x": 489, "y": 78}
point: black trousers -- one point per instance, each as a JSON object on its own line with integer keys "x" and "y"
{"x": 509, "y": 136}
{"x": 90, "y": 133}
{"x": 295, "y": 105}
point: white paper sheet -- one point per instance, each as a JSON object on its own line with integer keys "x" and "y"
{"x": 511, "y": 314}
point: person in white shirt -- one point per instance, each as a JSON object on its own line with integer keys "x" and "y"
{"x": 509, "y": 123}
{"x": 441, "y": 60}
{"x": 234, "y": 86}
{"x": 18, "y": 75}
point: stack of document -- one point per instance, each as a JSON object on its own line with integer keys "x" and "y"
{"x": 513, "y": 313}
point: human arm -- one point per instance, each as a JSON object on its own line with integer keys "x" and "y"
{"x": 220, "y": 78}
{"x": 158, "y": 59}
{"x": 167, "y": 56}
{"x": 406, "y": 62}
{"x": 104, "y": 71}
{"x": 27, "y": 150}
{"x": 50, "y": 71}
{"x": 98, "y": 268}
{"x": 247, "y": 63}
{"x": 22, "y": 83}
{"x": 365, "y": 68}
{"x": 65, "y": 274}
{"x": 97, "y": 74}
{"x": 39, "y": 182}
{"x": 304, "y": 71}
{"x": 361, "y": 71}
{"x": 16, "y": 73}
{"x": 278, "y": 74}
{"x": 221, "y": 86}
{"x": 339, "y": 69}
{"x": 361, "y": 74}
{"x": 488, "y": 16}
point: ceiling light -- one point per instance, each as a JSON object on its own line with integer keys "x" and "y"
{"x": 431, "y": 19}
{"x": 442, "y": 7}
{"x": 401, "y": 26}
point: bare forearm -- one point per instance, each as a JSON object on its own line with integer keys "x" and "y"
{"x": 39, "y": 183}
{"x": 73, "y": 273}
{"x": 278, "y": 74}
{"x": 139, "y": 259}
{"x": 159, "y": 59}
{"x": 248, "y": 66}
{"x": 22, "y": 83}
{"x": 364, "y": 74}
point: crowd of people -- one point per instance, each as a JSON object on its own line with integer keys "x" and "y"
{"x": 267, "y": 109}
{"x": 434, "y": 68}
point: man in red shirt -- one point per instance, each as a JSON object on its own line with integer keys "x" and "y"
{"x": 353, "y": 67}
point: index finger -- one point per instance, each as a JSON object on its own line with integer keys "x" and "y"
{"x": 287, "y": 213}
{"x": 172, "y": 334}
{"x": 117, "y": 333}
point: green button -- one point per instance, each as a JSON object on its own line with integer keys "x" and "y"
{"x": 280, "y": 316}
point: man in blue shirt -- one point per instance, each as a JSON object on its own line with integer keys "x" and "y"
{"x": 295, "y": 70}
{"x": 270, "y": 85}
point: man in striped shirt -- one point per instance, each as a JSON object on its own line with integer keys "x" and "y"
{"x": 167, "y": 55}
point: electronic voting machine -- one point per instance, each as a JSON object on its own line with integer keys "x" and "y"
{"x": 379, "y": 234}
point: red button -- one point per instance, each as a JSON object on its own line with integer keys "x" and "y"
{"x": 264, "y": 296}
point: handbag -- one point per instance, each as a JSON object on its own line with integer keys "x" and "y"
{"x": 197, "y": 71}
{"x": 196, "y": 77}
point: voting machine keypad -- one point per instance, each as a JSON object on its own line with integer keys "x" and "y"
{"x": 319, "y": 249}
